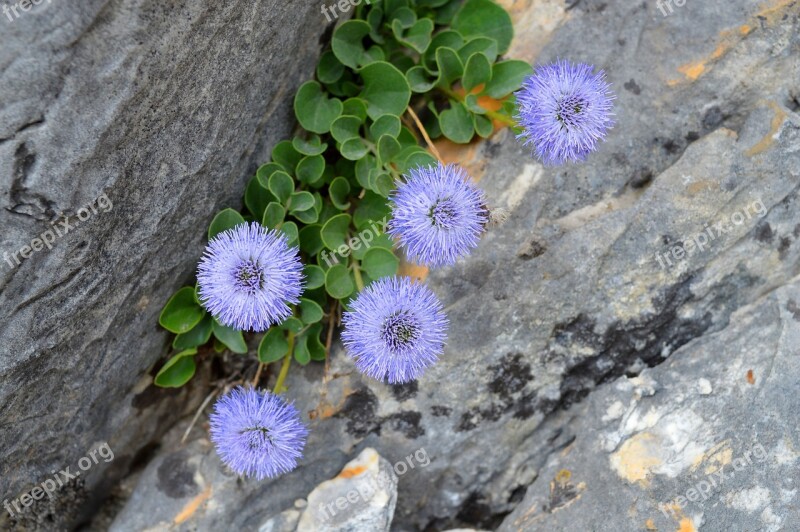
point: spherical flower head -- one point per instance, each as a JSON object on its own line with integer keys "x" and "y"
{"x": 249, "y": 276}
{"x": 564, "y": 109}
{"x": 256, "y": 433}
{"x": 395, "y": 330}
{"x": 438, "y": 214}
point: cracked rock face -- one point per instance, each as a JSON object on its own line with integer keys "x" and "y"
{"x": 162, "y": 110}
{"x": 680, "y": 231}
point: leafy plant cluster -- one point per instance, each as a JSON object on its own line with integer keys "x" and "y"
{"x": 358, "y": 135}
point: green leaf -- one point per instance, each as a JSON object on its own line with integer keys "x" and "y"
{"x": 281, "y": 185}
{"x": 385, "y": 125}
{"x": 314, "y": 110}
{"x": 257, "y": 197}
{"x": 334, "y": 232}
{"x": 346, "y": 42}
{"x": 353, "y": 149}
{"x": 232, "y": 338}
{"x": 273, "y": 215}
{"x": 265, "y": 171}
{"x": 445, "y": 14}
{"x": 417, "y": 37}
{"x": 483, "y": 126}
{"x": 386, "y": 90}
{"x": 482, "y": 45}
{"x": 292, "y": 324}
{"x": 310, "y": 169}
{"x": 284, "y": 154}
{"x": 329, "y": 69}
{"x": 388, "y": 147}
{"x": 315, "y": 347}
{"x": 310, "y": 240}
{"x": 308, "y": 216}
{"x": 379, "y": 262}
{"x": 363, "y": 166}
{"x": 418, "y": 79}
{"x": 310, "y": 312}
{"x": 507, "y": 77}
{"x": 315, "y": 276}
{"x": 371, "y": 208}
{"x": 404, "y": 16}
{"x": 372, "y": 55}
{"x": 447, "y": 38}
{"x": 273, "y": 346}
{"x": 485, "y": 18}
{"x": 338, "y": 191}
{"x": 346, "y": 127}
{"x": 471, "y": 102}
{"x": 290, "y": 230}
{"x": 301, "y": 353}
{"x": 416, "y": 159}
{"x": 224, "y": 220}
{"x": 383, "y": 241}
{"x": 477, "y": 72}
{"x": 450, "y": 66}
{"x": 177, "y": 371}
{"x": 200, "y": 334}
{"x": 338, "y": 282}
{"x": 355, "y": 107}
{"x": 383, "y": 184}
{"x": 311, "y": 146}
{"x": 374, "y": 18}
{"x": 301, "y": 201}
{"x": 457, "y": 123}
{"x": 181, "y": 313}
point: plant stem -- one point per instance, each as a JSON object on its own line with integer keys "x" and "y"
{"x": 424, "y": 134}
{"x": 494, "y": 115}
{"x": 357, "y": 275}
{"x": 287, "y": 360}
{"x": 258, "y": 374}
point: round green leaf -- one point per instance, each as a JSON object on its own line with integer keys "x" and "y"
{"x": 478, "y": 71}
{"x": 447, "y": 38}
{"x": 485, "y": 18}
{"x": 311, "y": 146}
{"x": 230, "y": 337}
{"x": 507, "y": 77}
{"x": 315, "y": 346}
{"x": 224, "y": 220}
{"x": 315, "y": 276}
{"x": 346, "y": 42}
{"x": 292, "y": 324}
{"x": 200, "y": 334}
{"x": 181, "y": 313}
{"x": 385, "y": 125}
{"x": 281, "y": 185}
{"x": 256, "y": 198}
{"x": 334, "y": 232}
{"x": 273, "y": 215}
{"x": 285, "y": 155}
{"x": 308, "y": 216}
{"x": 338, "y": 191}
{"x": 388, "y": 147}
{"x": 290, "y": 230}
{"x": 482, "y": 45}
{"x": 338, "y": 282}
{"x": 371, "y": 209}
{"x": 345, "y": 128}
{"x": 418, "y": 79}
{"x": 450, "y": 66}
{"x": 177, "y": 371}
{"x": 417, "y": 37}
{"x": 379, "y": 262}
{"x": 301, "y": 201}
{"x": 310, "y": 169}
{"x": 310, "y": 312}
{"x": 483, "y": 126}
{"x": 355, "y": 107}
{"x": 385, "y": 90}
{"x": 353, "y": 149}
{"x": 457, "y": 123}
{"x": 265, "y": 171}
{"x": 310, "y": 240}
{"x": 273, "y": 346}
{"x": 315, "y": 111}
{"x": 329, "y": 69}
{"x": 301, "y": 353}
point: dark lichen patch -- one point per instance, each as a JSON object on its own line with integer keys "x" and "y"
{"x": 406, "y": 422}
{"x": 641, "y": 178}
{"x": 476, "y": 511}
{"x": 441, "y": 411}
{"x": 783, "y": 247}
{"x": 405, "y": 391}
{"x": 58, "y": 512}
{"x": 631, "y": 86}
{"x": 526, "y": 406}
{"x": 531, "y": 249}
{"x": 764, "y": 233}
{"x": 176, "y": 476}
{"x": 792, "y": 307}
{"x": 359, "y": 410}
{"x": 469, "y": 420}
{"x": 510, "y": 375}
{"x": 562, "y": 491}
{"x": 152, "y": 395}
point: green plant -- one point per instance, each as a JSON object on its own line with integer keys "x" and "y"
{"x": 400, "y": 73}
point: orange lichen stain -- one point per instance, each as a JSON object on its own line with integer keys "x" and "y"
{"x": 750, "y": 378}
{"x": 637, "y": 457}
{"x": 730, "y": 38}
{"x": 326, "y": 409}
{"x": 562, "y": 477}
{"x": 415, "y": 271}
{"x": 351, "y": 472}
{"x": 775, "y": 126}
{"x": 192, "y": 506}
{"x": 715, "y": 458}
{"x": 650, "y": 525}
{"x": 466, "y": 155}
{"x": 700, "y": 186}
{"x": 686, "y": 525}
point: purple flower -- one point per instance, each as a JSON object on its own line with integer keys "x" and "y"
{"x": 438, "y": 214}
{"x": 256, "y": 433}
{"x": 564, "y": 110}
{"x": 248, "y": 276}
{"x": 396, "y": 329}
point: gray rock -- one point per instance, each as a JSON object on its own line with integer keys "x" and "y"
{"x": 569, "y": 293}
{"x": 165, "y": 109}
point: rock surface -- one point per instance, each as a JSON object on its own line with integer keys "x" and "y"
{"x": 162, "y": 110}
{"x": 575, "y": 291}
